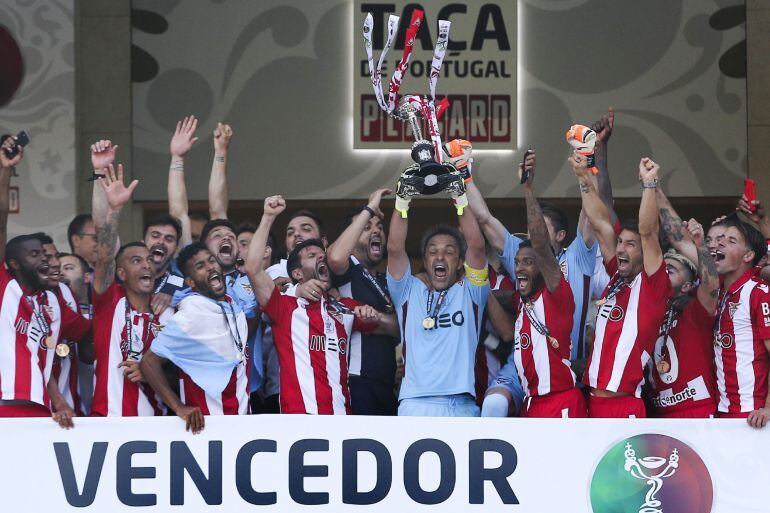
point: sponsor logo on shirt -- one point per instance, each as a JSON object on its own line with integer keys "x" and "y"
{"x": 725, "y": 340}
{"x": 614, "y": 313}
{"x": 319, "y": 343}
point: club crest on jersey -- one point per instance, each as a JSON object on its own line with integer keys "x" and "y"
{"x": 247, "y": 288}
{"x": 563, "y": 267}
{"x": 155, "y": 328}
{"x": 732, "y": 308}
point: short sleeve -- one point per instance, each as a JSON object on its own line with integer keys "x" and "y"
{"x": 478, "y": 293}
{"x": 399, "y": 289}
{"x": 612, "y": 266}
{"x": 583, "y": 256}
{"x": 698, "y": 315}
{"x": 508, "y": 256}
{"x": 243, "y": 294}
{"x": 108, "y": 297}
{"x": 563, "y": 294}
{"x": 276, "y": 306}
{"x": 173, "y": 283}
{"x": 338, "y": 280}
{"x": 73, "y": 326}
{"x": 658, "y": 281}
{"x": 760, "y": 310}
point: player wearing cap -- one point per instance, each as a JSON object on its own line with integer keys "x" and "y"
{"x": 632, "y": 306}
{"x": 311, "y": 338}
{"x": 124, "y": 324}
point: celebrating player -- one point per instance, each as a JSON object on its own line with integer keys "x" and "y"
{"x": 541, "y": 347}
{"x": 632, "y": 306}
{"x": 312, "y": 338}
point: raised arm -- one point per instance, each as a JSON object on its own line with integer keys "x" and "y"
{"x": 594, "y": 208}
{"x": 6, "y": 166}
{"x": 102, "y": 155}
{"x": 475, "y": 255}
{"x": 337, "y": 254}
{"x": 603, "y": 129}
{"x": 117, "y": 195}
{"x": 181, "y": 142}
{"x": 674, "y": 228}
{"x": 261, "y": 282}
{"x": 648, "y": 216}
{"x": 398, "y": 261}
{"x": 218, "y": 198}
{"x": 538, "y": 231}
{"x": 493, "y": 229}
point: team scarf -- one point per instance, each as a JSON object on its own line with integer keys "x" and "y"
{"x": 202, "y": 339}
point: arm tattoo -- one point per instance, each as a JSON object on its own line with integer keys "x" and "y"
{"x": 538, "y": 234}
{"x": 707, "y": 270}
{"x": 107, "y": 237}
{"x": 672, "y": 224}
{"x": 219, "y": 158}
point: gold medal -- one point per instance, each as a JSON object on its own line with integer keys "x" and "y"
{"x": 553, "y": 341}
{"x": 49, "y": 342}
{"x": 428, "y": 323}
{"x": 663, "y": 366}
{"x": 62, "y": 350}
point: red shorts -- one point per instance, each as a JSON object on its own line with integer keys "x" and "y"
{"x": 738, "y": 415}
{"x": 621, "y": 407}
{"x": 697, "y": 411}
{"x": 567, "y": 404}
{"x": 24, "y": 410}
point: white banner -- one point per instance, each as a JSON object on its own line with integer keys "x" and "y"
{"x": 285, "y": 463}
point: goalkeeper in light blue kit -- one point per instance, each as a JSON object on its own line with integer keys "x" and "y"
{"x": 439, "y": 322}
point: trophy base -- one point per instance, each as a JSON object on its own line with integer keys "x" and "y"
{"x": 431, "y": 178}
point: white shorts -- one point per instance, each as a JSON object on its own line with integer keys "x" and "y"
{"x": 460, "y": 405}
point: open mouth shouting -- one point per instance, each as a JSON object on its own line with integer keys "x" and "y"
{"x": 375, "y": 247}
{"x": 226, "y": 249}
{"x": 322, "y": 271}
{"x": 215, "y": 280}
{"x": 624, "y": 262}
{"x": 43, "y": 271}
{"x": 158, "y": 253}
{"x": 147, "y": 280}
{"x": 717, "y": 255}
{"x": 522, "y": 283}
{"x": 440, "y": 271}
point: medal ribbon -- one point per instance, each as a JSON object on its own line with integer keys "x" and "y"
{"x": 236, "y": 338}
{"x": 615, "y": 288}
{"x": 375, "y": 284}
{"x": 720, "y": 311}
{"x": 375, "y": 74}
{"x": 40, "y": 319}
{"x": 669, "y": 322}
{"x": 330, "y": 330}
{"x": 540, "y": 327}
{"x": 403, "y": 64}
{"x": 127, "y": 345}
{"x": 439, "y": 303}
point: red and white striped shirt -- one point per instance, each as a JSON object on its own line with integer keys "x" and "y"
{"x": 234, "y": 399}
{"x": 314, "y": 374}
{"x": 688, "y": 353}
{"x": 626, "y": 329}
{"x": 24, "y": 366}
{"x": 741, "y": 357}
{"x": 543, "y": 368}
{"x": 65, "y": 370}
{"x": 114, "y": 394}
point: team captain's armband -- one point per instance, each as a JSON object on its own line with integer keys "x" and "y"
{"x": 477, "y": 277}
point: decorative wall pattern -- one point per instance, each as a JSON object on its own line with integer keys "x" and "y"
{"x": 44, "y": 106}
{"x": 281, "y": 75}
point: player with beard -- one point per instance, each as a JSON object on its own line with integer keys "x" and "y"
{"x": 302, "y": 225}
{"x": 63, "y": 386}
{"x": 682, "y": 367}
{"x": 353, "y": 259}
{"x": 77, "y": 275}
{"x": 742, "y": 329}
{"x": 440, "y": 321}
{"x": 311, "y": 338}
{"x": 32, "y": 319}
{"x": 206, "y": 339}
{"x": 541, "y": 346}
{"x": 161, "y": 236}
{"x": 633, "y": 305}
{"x": 219, "y": 237}
{"x": 124, "y": 324}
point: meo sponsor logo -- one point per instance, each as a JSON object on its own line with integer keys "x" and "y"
{"x": 447, "y": 320}
{"x": 614, "y": 313}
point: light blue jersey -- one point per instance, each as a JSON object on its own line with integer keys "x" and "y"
{"x": 241, "y": 292}
{"x": 438, "y": 361}
{"x": 577, "y": 264}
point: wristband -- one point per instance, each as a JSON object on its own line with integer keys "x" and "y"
{"x": 651, "y": 184}
{"x": 372, "y": 215}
